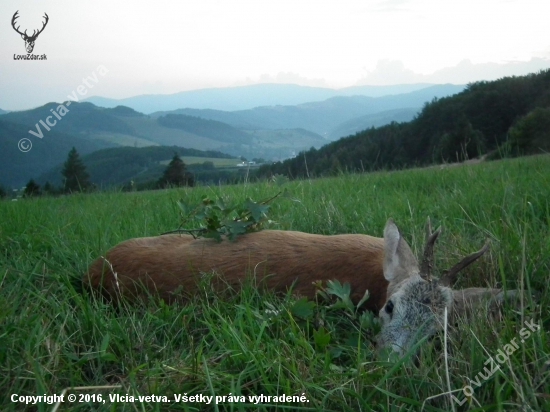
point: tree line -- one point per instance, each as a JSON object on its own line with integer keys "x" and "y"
{"x": 77, "y": 180}
{"x": 506, "y": 117}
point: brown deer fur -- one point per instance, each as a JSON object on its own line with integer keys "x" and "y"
{"x": 279, "y": 260}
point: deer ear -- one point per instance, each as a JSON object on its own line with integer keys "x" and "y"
{"x": 391, "y": 241}
{"x": 399, "y": 261}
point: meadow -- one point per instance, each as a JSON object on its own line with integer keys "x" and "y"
{"x": 54, "y": 335}
{"x": 218, "y": 162}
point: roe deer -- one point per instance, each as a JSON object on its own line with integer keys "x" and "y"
{"x": 170, "y": 265}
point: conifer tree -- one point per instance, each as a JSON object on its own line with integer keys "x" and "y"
{"x": 175, "y": 174}
{"x": 32, "y": 189}
{"x": 48, "y": 189}
{"x": 76, "y": 177}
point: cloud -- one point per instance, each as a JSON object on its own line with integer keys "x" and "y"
{"x": 389, "y": 72}
{"x": 390, "y": 6}
{"x": 466, "y": 71}
{"x": 544, "y": 54}
{"x": 285, "y": 78}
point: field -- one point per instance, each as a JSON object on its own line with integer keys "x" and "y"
{"x": 54, "y": 336}
{"x": 218, "y": 162}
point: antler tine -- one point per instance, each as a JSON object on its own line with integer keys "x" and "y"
{"x": 427, "y": 265}
{"x": 46, "y": 22}
{"x": 15, "y": 17}
{"x": 450, "y": 276}
{"x": 43, "y": 25}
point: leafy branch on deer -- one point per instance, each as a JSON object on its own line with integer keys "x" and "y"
{"x": 217, "y": 219}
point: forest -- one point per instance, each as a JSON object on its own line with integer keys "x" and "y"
{"x": 506, "y": 117}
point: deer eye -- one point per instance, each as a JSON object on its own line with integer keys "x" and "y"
{"x": 389, "y": 307}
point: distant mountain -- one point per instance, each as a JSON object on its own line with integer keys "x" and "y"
{"x": 509, "y": 116}
{"x": 322, "y": 117}
{"x": 3, "y": 112}
{"x": 247, "y": 97}
{"x": 240, "y": 119}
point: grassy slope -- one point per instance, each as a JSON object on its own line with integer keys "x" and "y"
{"x": 150, "y": 130}
{"x": 123, "y": 139}
{"x": 52, "y": 336}
{"x": 192, "y": 160}
{"x": 287, "y": 138}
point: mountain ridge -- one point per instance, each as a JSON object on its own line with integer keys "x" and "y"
{"x": 321, "y": 117}
{"x": 269, "y": 132}
{"x": 247, "y": 97}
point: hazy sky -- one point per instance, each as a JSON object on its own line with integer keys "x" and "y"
{"x": 170, "y": 46}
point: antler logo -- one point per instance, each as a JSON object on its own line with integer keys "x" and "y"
{"x": 29, "y": 40}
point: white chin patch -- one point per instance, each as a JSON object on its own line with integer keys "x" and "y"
{"x": 397, "y": 349}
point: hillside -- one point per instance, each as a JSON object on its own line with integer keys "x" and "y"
{"x": 472, "y": 123}
{"x": 3, "y": 112}
{"x": 372, "y": 120}
{"x": 118, "y": 166}
{"x": 120, "y": 126}
{"x": 89, "y": 128}
{"x": 207, "y": 128}
{"x": 16, "y": 167}
{"x": 247, "y": 97}
{"x": 281, "y": 143}
{"x": 81, "y": 118}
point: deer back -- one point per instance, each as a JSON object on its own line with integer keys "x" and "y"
{"x": 279, "y": 260}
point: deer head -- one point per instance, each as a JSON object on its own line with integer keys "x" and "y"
{"x": 416, "y": 302}
{"x": 29, "y": 40}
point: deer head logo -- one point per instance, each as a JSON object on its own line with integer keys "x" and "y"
{"x": 29, "y": 40}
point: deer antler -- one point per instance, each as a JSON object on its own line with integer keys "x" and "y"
{"x": 34, "y": 34}
{"x": 427, "y": 265}
{"x": 15, "y": 17}
{"x": 449, "y": 277}
{"x": 43, "y": 26}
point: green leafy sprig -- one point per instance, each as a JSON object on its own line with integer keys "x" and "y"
{"x": 217, "y": 219}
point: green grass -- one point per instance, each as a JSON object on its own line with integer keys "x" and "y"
{"x": 120, "y": 139}
{"x": 54, "y": 336}
{"x": 218, "y": 162}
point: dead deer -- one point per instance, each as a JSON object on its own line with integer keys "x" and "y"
{"x": 405, "y": 294}
{"x": 170, "y": 265}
